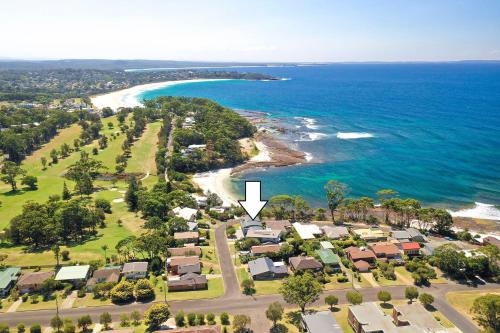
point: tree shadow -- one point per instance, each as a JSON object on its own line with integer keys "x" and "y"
{"x": 279, "y": 328}
{"x": 294, "y": 318}
{"x": 14, "y": 193}
{"x": 386, "y": 305}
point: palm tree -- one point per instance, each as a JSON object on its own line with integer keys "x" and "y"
{"x": 57, "y": 250}
{"x": 105, "y": 248}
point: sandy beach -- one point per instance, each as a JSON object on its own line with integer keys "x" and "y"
{"x": 129, "y": 97}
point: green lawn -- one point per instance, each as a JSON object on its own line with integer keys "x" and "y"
{"x": 41, "y": 304}
{"x": 215, "y": 289}
{"x": 90, "y": 301}
{"x": 462, "y": 301}
{"x": 266, "y": 287}
{"x": 144, "y": 151}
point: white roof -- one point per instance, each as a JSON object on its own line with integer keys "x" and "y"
{"x": 72, "y": 273}
{"x": 186, "y": 213}
{"x": 307, "y": 231}
{"x": 196, "y": 146}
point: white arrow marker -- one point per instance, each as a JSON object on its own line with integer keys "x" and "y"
{"x": 252, "y": 203}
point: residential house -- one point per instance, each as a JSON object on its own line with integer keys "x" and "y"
{"x": 183, "y": 265}
{"x": 320, "y": 322}
{"x": 32, "y": 281}
{"x": 265, "y": 236}
{"x": 386, "y": 250}
{"x": 192, "y": 226}
{"x": 219, "y": 209}
{"x": 247, "y": 224}
{"x": 370, "y": 234}
{"x": 335, "y": 232}
{"x": 281, "y": 225}
{"x": 427, "y": 249}
{"x": 369, "y": 318}
{"x": 411, "y": 249}
{"x": 305, "y": 263}
{"x": 184, "y": 251}
{"x": 328, "y": 258}
{"x": 188, "y": 214}
{"x": 189, "y": 281}
{"x": 401, "y": 236}
{"x": 325, "y": 245}
{"x": 417, "y": 317}
{"x": 8, "y": 278}
{"x": 135, "y": 270}
{"x": 187, "y": 236}
{"x": 416, "y": 235}
{"x": 73, "y": 274}
{"x": 266, "y": 269}
{"x": 111, "y": 275}
{"x": 264, "y": 249}
{"x": 307, "y": 231}
{"x": 361, "y": 258}
{"x": 201, "y": 200}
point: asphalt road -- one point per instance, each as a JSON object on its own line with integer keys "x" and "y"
{"x": 254, "y": 306}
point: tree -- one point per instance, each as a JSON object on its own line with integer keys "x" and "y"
{"x": 335, "y": 194}
{"x": 143, "y": 290}
{"x": 211, "y": 318}
{"x": 54, "y": 156}
{"x": 9, "y": 172}
{"x": 443, "y": 221}
{"x": 21, "y": 328}
{"x": 331, "y": 301}
{"x": 83, "y": 173}
{"x": 66, "y": 194}
{"x": 224, "y": 318}
{"x": 30, "y": 181}
{"x": 105, "y": 248}
{"x": 135, "y": 316}
{"x": 354, "y": 297}
{"x": 156, "y": 314}
{"x": 105, "y": 320}
{"x": 486, "y": 310}
{"x": 180, "y": 319}
{"x": 426, "y": 299}
{"x": 56, "y": 323}
{"x": 43, "y": 160}
{"x": 240, "y": 323}
{"x": 57, "y": 251}
{"x": 191, "y": 317}
{"x": 411, "y": 293}
{"x": 103, "y": 204}
{"x": 248, "y": 286}
{"x": 384, "y": 296}
{"x": 300, "y": 290}
{"x": 84, "y": 322}
{"x": 274, "y": 312}
{"x": 383, "y": 196}
{"x": 36, "y": 328}
{"x": 132, "y": 194}
{"x": 122, "y": 292}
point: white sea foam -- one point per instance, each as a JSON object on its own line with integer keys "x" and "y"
{"x": 354, "y": 135}
{"x": 308, "y": 122}
{"x": 311, "y": 136}
{"x": 308, "y": 156}
{"x": 479, "y": 211}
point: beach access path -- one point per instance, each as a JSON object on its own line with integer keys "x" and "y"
{"x": 255, "y": 306}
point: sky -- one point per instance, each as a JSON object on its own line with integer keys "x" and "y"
{"x": 252, "y": 31}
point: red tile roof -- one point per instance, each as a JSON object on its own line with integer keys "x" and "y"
{"x": 410, "y": 246}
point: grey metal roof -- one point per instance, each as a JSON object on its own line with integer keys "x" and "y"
{"x": 321, "y": 322}
{"x": 260, "y": 266}
{"x": 401, "y": 234}
{"x": 134, "y": 267}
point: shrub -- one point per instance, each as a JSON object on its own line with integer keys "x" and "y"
{"x": 211, "y": 318}
{"x": 36, "y": 328}
{"x": 65, "y": 255}
{"x": 103, "y": 204}
{"x": 224, "y": 318}
{"x": 143, "y": 290}
{"x": 122, "y": 292}
{"x": 180, "y": 321}
{"x": 191, "y": 317}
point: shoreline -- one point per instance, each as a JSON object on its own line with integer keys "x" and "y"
{"x": 129, "y": 97}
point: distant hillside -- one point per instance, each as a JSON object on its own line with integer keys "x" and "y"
{"x": 104, "y": 64}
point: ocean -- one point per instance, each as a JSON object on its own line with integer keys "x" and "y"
{"x": 428, "y": 131}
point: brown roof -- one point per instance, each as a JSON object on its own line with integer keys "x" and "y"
{"x": 191, "y": 260}
{"x": 305, "y": 263}
{"x": 184, "y": 251}
{"x": 491, "y": 240}
{"x": 189, "y": 279}
{"x": 186, "y": 235}
{"x": 108, "y": 275}
{"x": 278, "y": 224}
{"x": 357, "y": 254}
{"x": 361, "y": 265}
{"x": 261, "y": 249}
{"x": 33, "y": 278}
{"x": 384, "y": 249}
{"x": 203, "y": 329}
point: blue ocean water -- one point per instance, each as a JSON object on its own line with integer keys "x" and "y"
{"x": 429, "y": 131}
